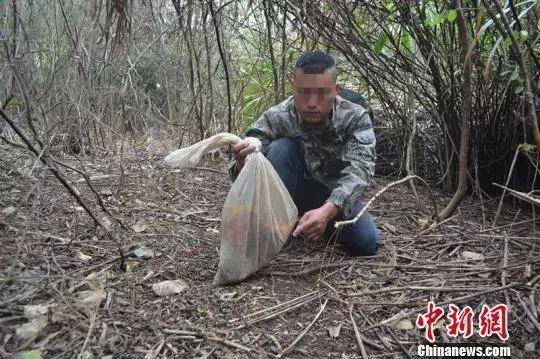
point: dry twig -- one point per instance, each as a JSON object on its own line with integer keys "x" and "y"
{"x": 340, "y": 224}
{"x": 303, "y": 333}
{"x": 357, "y": 333}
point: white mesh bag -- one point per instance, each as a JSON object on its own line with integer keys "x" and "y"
{"x": 258, "y": 214}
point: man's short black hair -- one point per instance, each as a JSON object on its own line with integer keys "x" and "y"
{"x": 314, "y": 62}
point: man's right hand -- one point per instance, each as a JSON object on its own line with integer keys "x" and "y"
{"x": 241, "y": 150}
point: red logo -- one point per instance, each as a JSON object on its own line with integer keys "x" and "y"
{"x": 461, "y": 321}
{"x": 429, "y": 319}
{"x": 492, "y": 320}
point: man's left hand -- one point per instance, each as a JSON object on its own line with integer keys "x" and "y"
{"x": 313, "y": 223}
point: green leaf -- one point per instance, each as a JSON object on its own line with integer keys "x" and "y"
{"x": 381, "y": 42}
{"x": 437, "y": 20}
{"x": 390, "y": 6}
{"x": 523, "y": 35}
{"x": 452, "y": 15}
{"x": 31, "y": 354}
{"x": 515, "y": 75}
{"x": 526, "y": 147}
{"x": 519, "y": 89}
{"x": 130, "y": 265}
{"x": 406, "y": 41}
{"x": 359, "y": 19}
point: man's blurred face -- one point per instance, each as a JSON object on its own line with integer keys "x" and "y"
{"x": 314, "y": 94}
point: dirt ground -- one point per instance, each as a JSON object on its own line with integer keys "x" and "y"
{"x": 55, "y": 259}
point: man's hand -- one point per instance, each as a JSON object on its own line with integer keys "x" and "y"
{"x": 313, "y": 223}
{"x": 241, "y": 150}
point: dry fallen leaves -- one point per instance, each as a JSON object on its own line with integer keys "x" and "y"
{"x": 143, "y": 252}
{"x": 31, "y": 330}
{"x": 92, "y": 298}
{"x": 467, "y": 255}
{"x": 84, "y": 257}
{"x": 33, "y": 311}
{"x": 106, "y": 222}
{"x": 334, "y": 331}
{"x": 404, "y": 324}
{"x": 169, "y": 287}
{"x": 140, "y": 226}
{"x": 9, "y": 211}
{"x": 391, "y": 228}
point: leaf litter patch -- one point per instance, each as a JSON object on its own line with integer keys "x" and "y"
{"x": 64, "y": 294}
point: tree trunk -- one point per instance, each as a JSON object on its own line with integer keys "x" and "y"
{"x": 210, "y": 112}
{"x": 225, "y": 66}
{"x": 504, "y": 28}
{"x": 466, "y": 94}
{"x": 273, "y": 64}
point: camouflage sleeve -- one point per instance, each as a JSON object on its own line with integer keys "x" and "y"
{"x": 264, "y": 131}
{"x": 360, "y": 156}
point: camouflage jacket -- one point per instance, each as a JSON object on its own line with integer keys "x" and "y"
{"x": 339, "y": 153}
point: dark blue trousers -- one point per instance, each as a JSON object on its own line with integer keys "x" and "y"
{"x": 359, "y": 239}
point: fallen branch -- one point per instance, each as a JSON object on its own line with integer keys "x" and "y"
{"x": 434, "y": 225}
{"x": 72, "y": 191}
{"x": 527, "y": 197}
{"x": 530, "y": 315}
{"x": 288, "y": 308}
{"x": 11, "y": 143}
{"x": 441, "y": 267}
{"x": 192, "y": 335}
{"x": 89, "y": 183}
{"x": 229, "y": 343}
{"x": 311, "y": 270}
{"x": 278, "y": 307}
{"x": 506, "y": 184}
{"x": 301, "y": 335}
{"x": 427, "y": 289}
{"x": 93, "y": 178}
{"x": 503, "y": 272}
{"x": 340, "y": 224}
{"x": 210, "y": 170}
{"x": 357, "y": 333}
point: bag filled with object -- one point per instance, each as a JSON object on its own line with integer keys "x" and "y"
{"x": 258, "y": 214}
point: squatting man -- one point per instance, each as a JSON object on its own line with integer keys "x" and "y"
{"x": 323, "y": 148}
